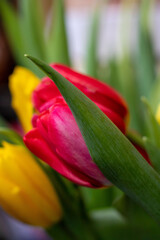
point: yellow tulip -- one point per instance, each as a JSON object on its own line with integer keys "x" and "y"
{"x": 158, "y": 114}
{"x": 25, "y": 190}
{"x": 22, "y": 82}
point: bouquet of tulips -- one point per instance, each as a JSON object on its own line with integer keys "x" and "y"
{"x": 85, "y": 162}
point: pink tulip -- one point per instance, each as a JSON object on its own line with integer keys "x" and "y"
{"x": 56, "y": 138}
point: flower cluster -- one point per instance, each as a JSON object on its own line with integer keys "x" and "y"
{"x": 56, "y": 139}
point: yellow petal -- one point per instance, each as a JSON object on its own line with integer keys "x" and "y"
{"x": 158, "y": 114}
{"x": 37, "y": 201}
{"x": 13, "y": 202}
{"x": 22, "y": 82}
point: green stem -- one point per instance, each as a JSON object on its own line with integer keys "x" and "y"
{"x": 75, "y": 221}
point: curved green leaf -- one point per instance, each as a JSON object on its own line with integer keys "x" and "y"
{"x": 116, "y": 157}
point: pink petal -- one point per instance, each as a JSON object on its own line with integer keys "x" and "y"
{"x": 39, "y": 147}
{"x": 64, "y": 138}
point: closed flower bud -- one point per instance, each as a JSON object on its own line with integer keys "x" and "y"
{"x": 56, "y": 138}
{"x": 25, "y": 191}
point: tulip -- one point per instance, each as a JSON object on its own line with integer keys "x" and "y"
{"x": 56, "y": 138}
{"x": 25, "y": 190}
{"x": 106, "y": 98}
{"x": 22, "y": 82}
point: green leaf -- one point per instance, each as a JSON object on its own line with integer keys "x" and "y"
{"x": 31, "y": 21}
{"x": 137, "y": 220}
{"x": 100, "y": 198}
{"x": 145, "y": 58}
{"x": 153, "y": 152}
{"x": 120, "y": 75}
{"x": 116, "y": 157}
{"x": 152, "y": 124}
{"x": 92, "y": 46}
{"x": 57, "y": 45}
{"x": 12, "y": 28}
{"x": 134, "y": 137}
{"x": 31, "y": 24}
{"x": 19, "y": 32}
{"x": 130, "y": 92}
{"x": 6, "y": 134}
{"x": 112, "y": 74}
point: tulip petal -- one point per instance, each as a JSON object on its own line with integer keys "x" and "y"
{"x": 22, "y": 82}
{"x": 65, "y": 138}
{"x": 43, "y": 101}
{"x": 21, "y": 193}
{"x": 97, "y": 91}
{"x": 40, "y": 97}
{"x": 94, "y": 89}
{"x": 40, "y": 148}
{"x": 114, "y": 117}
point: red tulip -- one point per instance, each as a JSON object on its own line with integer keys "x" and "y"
{"x": 56, "y": 138}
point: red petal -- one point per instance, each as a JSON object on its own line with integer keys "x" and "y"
{"x": 94, "y": 89}
{"x": 40, "y": 148}
{"x": 62, "y": 134}
{"x": 44, "y": 92}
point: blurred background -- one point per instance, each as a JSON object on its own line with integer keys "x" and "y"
{"x": 119, "y": 30}
{"x": 114, "y": 41}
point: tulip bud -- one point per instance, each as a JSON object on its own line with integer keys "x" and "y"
{"x": 56, "y": 138}
{"x": 25, "y": 191}
{"x": 105, "y": 97}
{"x": 22, "y": 82}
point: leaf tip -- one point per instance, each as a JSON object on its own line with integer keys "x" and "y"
{"x": 27, "y": 56}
